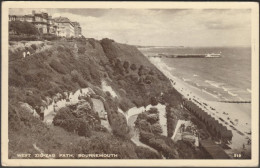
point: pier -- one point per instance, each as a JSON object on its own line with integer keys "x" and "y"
{"x": 212, "y": 55}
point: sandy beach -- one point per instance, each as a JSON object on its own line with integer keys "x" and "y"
{"x": 236, "y": 117}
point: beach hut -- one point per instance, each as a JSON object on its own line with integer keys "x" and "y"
{"x": 206, "y": 116}
{"x": 200, "y": 113}
{"x": 193, "y": 108}
{"x": 203, "y": 116}
{"x": 208, "y": 119}
{"x": 190, "y": 106}
{"x": 187, "y": 104}
{"x": 214, "y": 126}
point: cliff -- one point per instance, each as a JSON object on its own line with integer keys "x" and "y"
{"x": 58, "y": 67}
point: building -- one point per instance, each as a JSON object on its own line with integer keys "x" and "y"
{"x": 52, "y": 26}
{"x": 77, "y": 29}
{"x": 65, "y": 28}
{"x": 40, "y": 20}
{"x": 60, "y": 26}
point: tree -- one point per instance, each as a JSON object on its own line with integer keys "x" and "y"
{"x": 156, "y": 128}
{"x": 23, "y": 28}
{"x": 154, "y": 101}
{"x": 83, "y": 129}
{"x": 126, "y": 65}
{"x": 133, "y": 67}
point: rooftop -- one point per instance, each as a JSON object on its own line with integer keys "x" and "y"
{"x": 62, "y": 19}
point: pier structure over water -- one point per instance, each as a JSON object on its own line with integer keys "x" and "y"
{"x": 186, "y": 55}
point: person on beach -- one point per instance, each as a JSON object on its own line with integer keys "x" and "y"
{"x": 24, "y": 54}
{"x": 28, "y": 53}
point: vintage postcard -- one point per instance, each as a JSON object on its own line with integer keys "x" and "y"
{"x": 130, "y": 84}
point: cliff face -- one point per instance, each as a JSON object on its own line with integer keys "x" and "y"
{"x": 57, "y": 67}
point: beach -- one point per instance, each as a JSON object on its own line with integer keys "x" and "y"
{"x": 236, "y": 117}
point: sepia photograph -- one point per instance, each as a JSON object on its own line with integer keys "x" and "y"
{"x": 144, "y": 82}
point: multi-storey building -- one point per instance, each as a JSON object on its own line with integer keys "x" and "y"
{"x": 52, "y": 25}
{"x": 65, "y": 27}
{"x": 60, "y": 26}
{"x": 77, "y": 29}
{"x": 40, "y": 20}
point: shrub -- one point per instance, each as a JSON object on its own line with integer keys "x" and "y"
{"x": 126, "y": 65}
{"x": 75, "y": 75}
{"x": 82, "y": 50}
{"x": 151, "y": 72}
{"x": 44, "y": 85}
{"x": 23, "y": 37}
{"x": 92, "y": 42}
{"x": 60, "y": 48}
{"x": 23, "y": 28}
{"x": 58, "y": 67}
{"x": 154, "y": 101}
{"x": 145, "y": 153}
{"x": 16, "y": 81}
{"x": 156, "y": 128}
{"x": 34, "y": 46}
{"x": 153, "y": 118}
{"x": 49, "y": 37}
{"x": 83, "y": 129}
{"x": 33, "y": 100}
{"x": 144, "y": 125}
{"x": 133, "y": 67}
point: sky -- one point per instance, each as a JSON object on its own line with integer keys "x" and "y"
{"x": 161, "y": 27}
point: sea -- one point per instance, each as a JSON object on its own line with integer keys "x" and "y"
{"x": 227, "y": 77}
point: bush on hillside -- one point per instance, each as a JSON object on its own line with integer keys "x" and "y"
{"x": 17, "y": 81}
{"x": 49, "y": 37}
{"x": 34, "y": 46}
{"x": 81, "y": 50}
{"x": 153, "y": 110}
{"x": 65, "y": 119}
{"x": 154, "y": 101}
{"x": 19, "y": 27}
{"x": 133, "y": 67}
{"x": 92, "y": 42}
{"x": 145, "y": 153}
{"x": 153, "y": 118}
{"x": 156, "y": 128}
{"x": 126, "y": 65}
{"x": 23, "y": 37}
{"x": 33, "y": 100}
{"x": 159, "y": 144}
{"x": 58, "y": 67}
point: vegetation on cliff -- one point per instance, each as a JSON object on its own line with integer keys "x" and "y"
{"x": 62, "y": 66}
